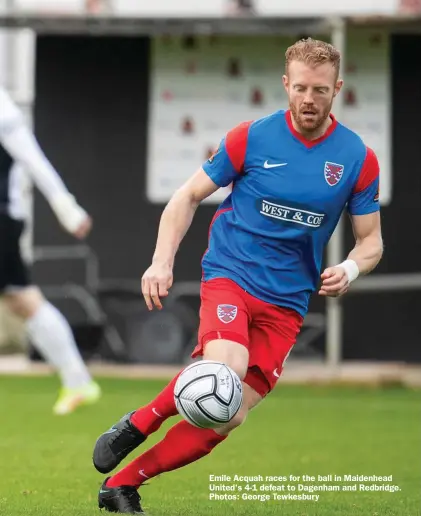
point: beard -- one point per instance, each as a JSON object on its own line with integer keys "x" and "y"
{"x": 310, "y": 119}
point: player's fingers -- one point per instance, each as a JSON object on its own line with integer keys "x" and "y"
{"x": 332, "y": 280}
{"x": 343, "y": 290}
{"x": 146, "y": 293}
{"x": 331, "y": 289}
{"x": 326, "y": 293}
{"x": 162, "y": 288}
{"x": 335, "y": 290}
{"x": 335, "y": 282}
{"x": 330, "y": 271}
{"x": 344, "y": 286}
{"x": 154, "y": 294}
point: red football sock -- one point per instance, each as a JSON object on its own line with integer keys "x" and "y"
{"x": 183, "y": 444}
{"x": 149, "y": 418}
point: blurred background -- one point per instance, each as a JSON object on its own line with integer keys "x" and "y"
{"x": 128, "y": 97}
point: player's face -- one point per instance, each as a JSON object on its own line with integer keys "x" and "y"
{"x": 311, "y": 91}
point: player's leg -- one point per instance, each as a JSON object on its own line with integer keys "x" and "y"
{"x": 273, "y": 334}
{"x": 230, "y": 330}
{"x": 185, "y": 443}
{"x": 133, "y": 428}
{"x": 182, "y": 445}
{"x": 222, "y": 337}
{"x": 52, "y": 336}
{"x": 48, "y": 330}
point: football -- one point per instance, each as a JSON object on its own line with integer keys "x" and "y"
{"x": 208, "y": 394}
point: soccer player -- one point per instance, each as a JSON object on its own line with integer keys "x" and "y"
{"x": 293, "y": 173}
{"x": 47, "y": 328}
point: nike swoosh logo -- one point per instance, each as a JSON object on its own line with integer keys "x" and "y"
{"x": 273, "y": 165}
{"x": 156, "y": 412}
{"x": 275, "y": 373}
{"x": 110, "y": 431}
{"x": 103, "y": 491}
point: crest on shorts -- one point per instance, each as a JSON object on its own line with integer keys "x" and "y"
{"x": 227, "y": 313}
{"x": 333, "y": 173}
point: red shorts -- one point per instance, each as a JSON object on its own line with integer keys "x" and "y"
{"x": 269, "y": 332}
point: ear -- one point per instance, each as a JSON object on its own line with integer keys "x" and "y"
{"x": 285, "y": 82}
{"x": 338, "y": 86}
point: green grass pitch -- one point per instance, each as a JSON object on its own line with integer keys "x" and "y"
{"x": 46, "y": 466}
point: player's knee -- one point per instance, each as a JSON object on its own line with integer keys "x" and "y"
{"x": 24, "y": 303}
{"x": 233, "y": 354}
{"x": 235, "y": 422}
{"x": 250, "y": 399}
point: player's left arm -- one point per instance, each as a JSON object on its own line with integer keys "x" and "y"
{"x": 364, "y": 211}
{"x": 368, "y": 248}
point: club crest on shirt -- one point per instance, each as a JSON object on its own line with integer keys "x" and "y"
{"x": 226, "y": 313}
{"x": 333, "y": 173}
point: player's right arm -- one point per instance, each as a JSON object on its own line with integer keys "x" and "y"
{"x": 219, "y": 171}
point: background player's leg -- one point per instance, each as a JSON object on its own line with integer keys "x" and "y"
{"x": 52, "y": 336}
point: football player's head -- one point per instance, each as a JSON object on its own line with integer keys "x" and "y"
{"x": 312, "y": 81}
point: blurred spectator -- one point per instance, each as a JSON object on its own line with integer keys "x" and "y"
{"x": 257, "y": 97}
{"x": 98, "y": 6}
{"x": 241, "y": 7}
{"x": 187, "y": 125}
{"x": 234, "y": 67}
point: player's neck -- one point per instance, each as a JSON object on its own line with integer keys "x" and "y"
{"x": 317, "y": 133}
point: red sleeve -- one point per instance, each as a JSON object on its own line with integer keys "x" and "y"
{"x": 236, "y": 145}
{"x": 369, "y": 172}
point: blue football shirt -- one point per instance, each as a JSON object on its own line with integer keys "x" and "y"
{"x": 287, "y": 196}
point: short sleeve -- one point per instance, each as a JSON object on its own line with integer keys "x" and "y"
{"x": 365, "y": 196}
{"x": 10, "y": 116}
{"x": 227, "y": 163}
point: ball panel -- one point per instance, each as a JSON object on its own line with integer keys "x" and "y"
{"x": 198, "y": 386}
{"x": 225, "y": 385}
{"x": 214, "y": 410}
{"x": 191, "y": 413}
{"x": 194, "y": 371}
{"x": 208, "y": 394}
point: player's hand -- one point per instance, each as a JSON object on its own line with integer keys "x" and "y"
{"x": 156, "y": 282}
{"x": 84, "y": 228}
{"x": 335, "y": 282}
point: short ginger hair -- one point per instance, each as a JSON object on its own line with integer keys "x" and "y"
{"x": 313, "y": 52}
